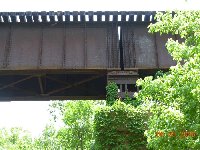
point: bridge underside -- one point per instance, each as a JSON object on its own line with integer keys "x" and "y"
{"x": 67, "y": 84}
{"x": 53, "y": 85}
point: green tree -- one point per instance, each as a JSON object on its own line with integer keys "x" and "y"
{"x": 15, "y": 139}
{"x": 111, "y": 93}
{"x": 120, "y": 127}
{"x": 174, "y": 98}
{"x": 48, "y": 140}
{"x": 77, "y": 132}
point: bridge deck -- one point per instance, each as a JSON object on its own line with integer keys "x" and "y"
{"x": 59, "y": 55}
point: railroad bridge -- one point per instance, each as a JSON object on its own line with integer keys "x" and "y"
{"x": 72, "y": 55}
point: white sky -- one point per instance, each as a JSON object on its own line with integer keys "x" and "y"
{"x": 38, "y": 5}
{"x": 33, "y": 116}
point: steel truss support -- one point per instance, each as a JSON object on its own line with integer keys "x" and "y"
{"x": 125, "y": 80}
{"x": 74, "y": 85}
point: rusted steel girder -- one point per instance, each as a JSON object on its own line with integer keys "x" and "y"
{"x": 72, "y": 55}
{"x": 59, "y": 46}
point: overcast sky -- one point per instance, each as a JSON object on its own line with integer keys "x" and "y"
{"x": 38, "y": 5}
{"x": 33, "y": 116}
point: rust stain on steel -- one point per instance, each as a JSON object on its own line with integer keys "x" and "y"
{"x": 128, "y": 44}
{"x": 40, "y": 47}
{"x": 114, "y": 46}
{"x": 139, "y": 47}
{"x": 63, "y": 46}
{"x": 164, "y": 58}
{"x": 4, "y": 43}
{"x": 148, "y": 50}
{"x": 85, "y": 45}
{"x": 144, "y": 48}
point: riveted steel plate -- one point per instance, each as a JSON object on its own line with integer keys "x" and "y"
{"x": 96, "y": 48}
{"x": 59, "y": 46}
{"x": 74, "y": 48}
{"x": 4, "y": 43}
{"x": 24, "y": 47}
{"x": 52, "y": 47}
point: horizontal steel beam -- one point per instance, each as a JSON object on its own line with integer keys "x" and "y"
{"x": 77, "y": 16}
{"x": 48, "y": 98}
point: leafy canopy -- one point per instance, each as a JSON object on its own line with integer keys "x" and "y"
{"x": 120, "y": 126}
{"x": 14, "y": 139}
{"x": 174, "y": 98}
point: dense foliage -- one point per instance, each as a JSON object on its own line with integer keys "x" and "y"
{"x": 15, "y": 139}
{"x": 78, "y": 130}
{"x": 111, "y": 93}
{"x": 175, "y": 97}
{"x": 48, "y": 140}
{"x": 120, "y": 126}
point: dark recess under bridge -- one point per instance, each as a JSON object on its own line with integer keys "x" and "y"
{"x": 72, "y": 55}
